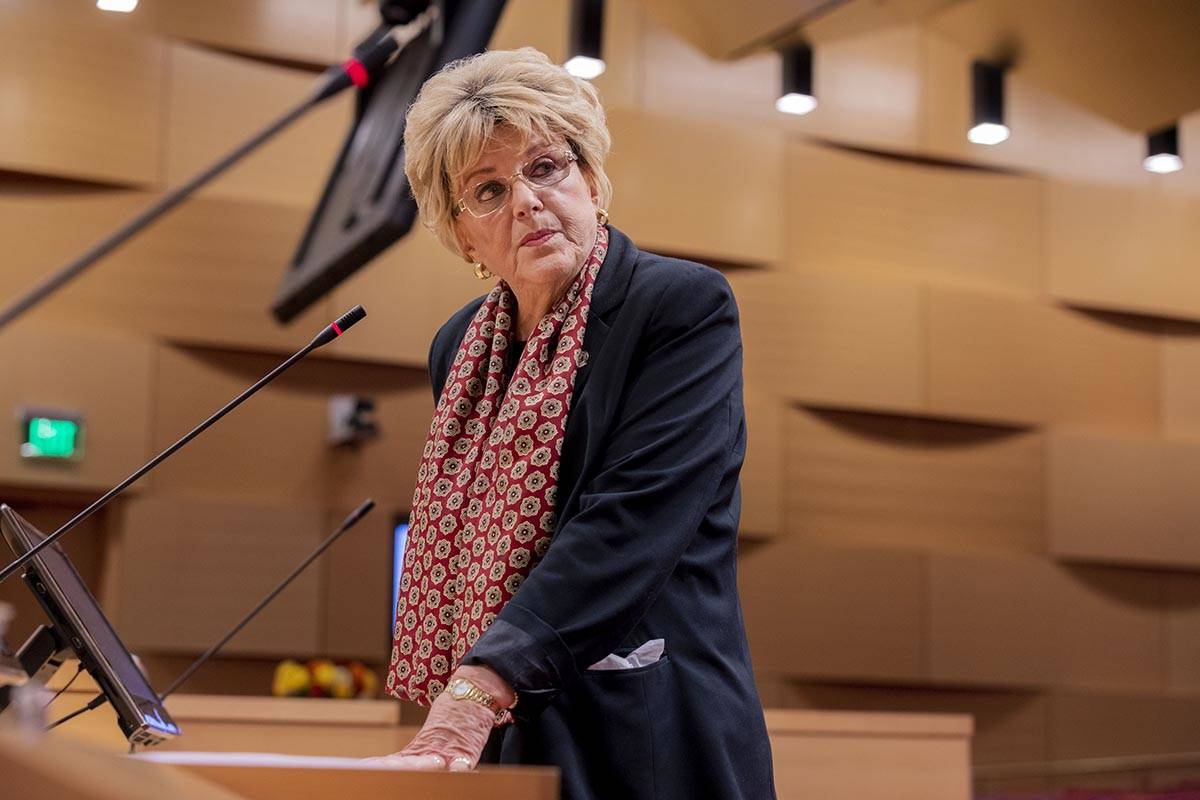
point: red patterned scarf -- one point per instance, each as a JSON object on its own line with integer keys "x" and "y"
{"x": 483, "y": 510}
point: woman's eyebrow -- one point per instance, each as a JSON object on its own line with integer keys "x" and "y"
{"x": 480, "y": 171}
{"x": 488, "y": 170}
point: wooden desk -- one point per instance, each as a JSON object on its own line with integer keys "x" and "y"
{"x": 818, "y": 754}
{"x": 65, "y": 770}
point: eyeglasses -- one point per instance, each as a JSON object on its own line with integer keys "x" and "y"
{"x": 492, "y": 194}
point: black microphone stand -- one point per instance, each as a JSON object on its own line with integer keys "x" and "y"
{"x": 370, "y": 57}
{"x": 328, "y": 334}
{"x": 349, "y": 522}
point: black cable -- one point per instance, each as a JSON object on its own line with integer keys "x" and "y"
{"x": 93, "y": 704}
{"x": 58, "y": 694}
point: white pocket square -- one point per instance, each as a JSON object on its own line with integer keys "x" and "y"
{"x": 647, "y": 654}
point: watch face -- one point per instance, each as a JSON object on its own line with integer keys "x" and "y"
{"x": 459, "y": 690}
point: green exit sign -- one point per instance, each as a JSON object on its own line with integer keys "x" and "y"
{"x": 46, "y": 436}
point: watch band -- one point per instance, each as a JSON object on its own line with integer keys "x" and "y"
{"x": 464, "y": 689}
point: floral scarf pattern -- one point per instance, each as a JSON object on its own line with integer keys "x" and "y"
{"x": 484, "y": 507}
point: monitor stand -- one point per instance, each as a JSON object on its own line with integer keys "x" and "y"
{"x": 39, "y": 658}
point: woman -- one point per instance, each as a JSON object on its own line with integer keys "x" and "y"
{"x": 569, "y": 588}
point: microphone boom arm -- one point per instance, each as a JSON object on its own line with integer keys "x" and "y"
{"x": 371, "y": 56}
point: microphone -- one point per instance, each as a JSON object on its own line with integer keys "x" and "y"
{"x": 331, "y": 332}
{"x": 349, "y": 522}
{"x": 338, "y": 327}
{"x": 369, "y": 58}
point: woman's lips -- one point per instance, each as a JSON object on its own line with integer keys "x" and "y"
{"x": 537, "y": 238}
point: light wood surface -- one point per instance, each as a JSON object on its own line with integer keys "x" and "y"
{"x": 763, "y": 478}
{"x": 102, "y": 376}
{"x": 814, "y": 610}
{"x": 297, "y": 30}
{"x": 287, "y": 423}
{"x": 859, "y": 756}
{"x": 1121, "y": 248}
{"x": 1102, "y": 488}
{"x": 836, "y": 340}
{"x": 68, "y": 770}
{"x": 855, "y": 212}
{"x": 869, "y": 87}
{"x": 911, "y": 482}
{"x": 664, "y": 172}
{"x": 1001, "y": 357}
{"x": 83, "y": 93}
{"x": 989, "y": 622}
{"x": 832, "y": 754}
{"x": 191, "y": 568}
{"x": 284, "y": 783}
{"x": 1051, "y": 135}
{"x": 219, "y": 100}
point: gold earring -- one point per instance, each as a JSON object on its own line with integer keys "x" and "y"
{"x": 481, "y": 272}
{"x": 602, "y": 216}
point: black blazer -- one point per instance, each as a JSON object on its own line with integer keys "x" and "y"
{"x": 645, "y": 548}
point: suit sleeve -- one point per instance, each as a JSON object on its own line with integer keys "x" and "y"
{"x": 663, "y": 463}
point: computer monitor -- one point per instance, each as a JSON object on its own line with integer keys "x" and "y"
{"x": 82, "y": 626}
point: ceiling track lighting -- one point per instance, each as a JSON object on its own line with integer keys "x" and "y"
{"x": 587, "y": 35}
{"x": 987, "y": 104}
{"x": 123, "y": 6}
{"x": 1162, "y": 151}
{"x": 796, "y": 91}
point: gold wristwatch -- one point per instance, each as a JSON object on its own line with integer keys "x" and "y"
{"x": 463, "y": 689}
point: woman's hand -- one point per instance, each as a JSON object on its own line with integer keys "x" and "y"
{"x": 455, "y": 731}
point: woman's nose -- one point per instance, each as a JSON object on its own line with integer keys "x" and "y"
{"x": 524, "y": 199}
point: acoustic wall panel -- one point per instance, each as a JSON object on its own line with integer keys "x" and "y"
{"x": 1111, "y": 631}
{"x": 1124, "y": 501}
{"x": 191, "y": 568}
{"x": 845, "y": 612}
{"x": 217, "y": 101}
{"x": 274, "y": 448}
{"x": 102, "y": 376}
{"x": 296, "y": 30}
{"x": 703, "y": 192}
{"x": 843, "y": 341}
{"x": 1010, "y": 726}
{"x": 1180, "y": 380}
{"x": 1122, "y": 248}
{"x": 356, "y": 587}
{"x": 989, "y": 622}
{"x": 912, "y": 483}
{"x": 763, "y": 470}
{"x": 1007, "y": 358}
{"x": 1104, "y": 724}
{"x": 82, "y": 92}
{"x": 850, "y": 211}
{"x": 1183, "y": 632}
{"x": 204, "y": 274}
{"x": 409, "y": 291}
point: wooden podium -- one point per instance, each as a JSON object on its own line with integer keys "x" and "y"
{"x": 60, "y": 769}
{"x": 818, "y": 754}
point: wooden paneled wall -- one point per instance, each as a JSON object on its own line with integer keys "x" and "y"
{"x": 972, "y": 375}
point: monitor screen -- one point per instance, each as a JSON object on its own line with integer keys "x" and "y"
{"x": 78, "y": 619}
{"x": 399, "y": 539}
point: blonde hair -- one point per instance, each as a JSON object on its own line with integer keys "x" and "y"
{"x": 459, "y": 109}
